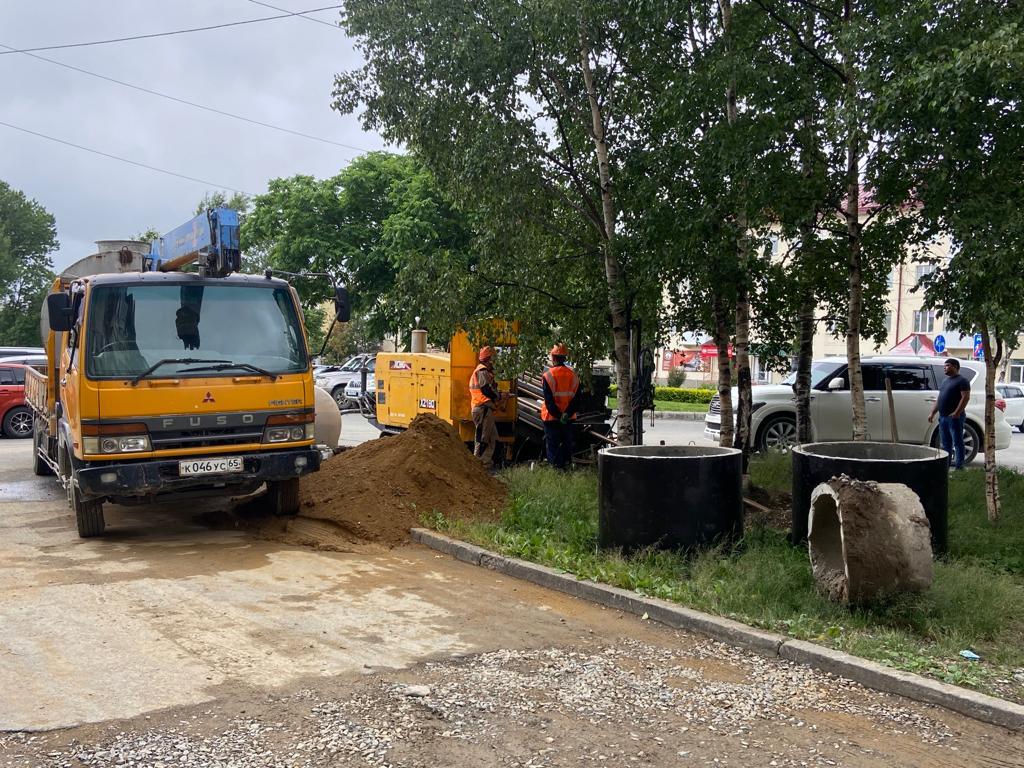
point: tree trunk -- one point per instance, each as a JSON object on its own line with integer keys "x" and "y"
{"x": 725, "y": 436}
{"x": 612, "y": 268}
{"x": 805, "y": 356}
{"x": 853, "y": 244}
{"x": 743, "y": 379}
{"x": 992, "y": 502}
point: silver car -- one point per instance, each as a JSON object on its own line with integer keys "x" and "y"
{"x": 915, "y": 383}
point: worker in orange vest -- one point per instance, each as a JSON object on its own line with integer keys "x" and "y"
{"x": 484, "y": 397}
{"x": 561, "y": 385}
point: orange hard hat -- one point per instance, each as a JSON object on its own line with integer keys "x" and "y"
{"x": 560, "y": 350}
{"x": 486, "y": 353}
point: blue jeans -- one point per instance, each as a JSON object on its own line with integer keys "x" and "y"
{"x": 951, "y": 431}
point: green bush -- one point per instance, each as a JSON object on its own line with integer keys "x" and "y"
{"x": 676, "y": 377}
{"x": 678, "y": 394}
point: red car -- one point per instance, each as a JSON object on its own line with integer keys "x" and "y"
{"x": 15, "y": 415}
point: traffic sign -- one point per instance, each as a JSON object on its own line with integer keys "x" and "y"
{"x": 940, "y": 344}
{"x": 979, "y": 349}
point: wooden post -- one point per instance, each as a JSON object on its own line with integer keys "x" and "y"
{"x": 892, "y": 411}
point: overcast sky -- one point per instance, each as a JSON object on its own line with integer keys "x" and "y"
{"x": 279, "y": 72}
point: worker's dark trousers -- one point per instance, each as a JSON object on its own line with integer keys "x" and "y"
{"x": 558, "y": 441}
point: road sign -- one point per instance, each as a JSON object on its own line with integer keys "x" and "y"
{"x": 940, "y": 344}
{"x": 979, "y": 349}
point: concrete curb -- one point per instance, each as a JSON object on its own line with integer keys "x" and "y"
{"x": 978, "y": 706}
{"x": 677, "y": 415}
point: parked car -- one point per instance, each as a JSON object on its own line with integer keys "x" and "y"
{"x": 915, "y": 383}
{"x": 354, "y": 387}
{"x": 15, "y": 415}
{"x": 336, "y": 378}
{"x": 18, "y": 351}
{"x": 1013, "y": 396}
{"x": 36, "y": 361}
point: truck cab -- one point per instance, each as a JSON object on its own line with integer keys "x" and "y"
{"x": 168, "y": 385}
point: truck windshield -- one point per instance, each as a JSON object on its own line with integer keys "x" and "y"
{"x": 131, "y": 327}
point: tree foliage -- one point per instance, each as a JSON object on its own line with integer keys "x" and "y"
{"x": 952, "y": 112}
{"x": 384, "y": 229}
{"x": 28, "y": 235}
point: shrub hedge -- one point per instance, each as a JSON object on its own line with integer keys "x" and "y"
{"x": 678, "y": 394}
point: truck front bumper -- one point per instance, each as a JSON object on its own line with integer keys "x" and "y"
{"x": 158, "y": 477}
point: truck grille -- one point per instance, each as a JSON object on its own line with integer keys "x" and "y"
{"x": 715, "y": 406}
{"x": 205, "y": 438}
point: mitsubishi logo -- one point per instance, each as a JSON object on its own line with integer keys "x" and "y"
{"x": 209, "y": 398}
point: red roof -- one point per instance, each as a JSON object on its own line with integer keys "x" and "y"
{"x": 915, "y": 344}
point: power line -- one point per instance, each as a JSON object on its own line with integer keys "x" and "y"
{"x": 166, "y": 34}
{"x": 183, "y": 101}
{"x": 301, "y": 15}
{"x": 125, "y": 159}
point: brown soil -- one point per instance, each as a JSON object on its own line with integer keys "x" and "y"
{"x": 379, "y": 490}
{"x": 779, "y": 506}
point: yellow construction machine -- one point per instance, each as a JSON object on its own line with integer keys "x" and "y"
{"x": 411, "y": 383}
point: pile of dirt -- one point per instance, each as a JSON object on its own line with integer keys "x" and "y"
{"x": 379, "y": 490}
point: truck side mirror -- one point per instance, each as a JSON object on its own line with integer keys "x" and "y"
{"x": 58, "y": 309}
{"x": 342, "y": 309}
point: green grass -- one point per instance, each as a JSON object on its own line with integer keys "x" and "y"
{"x": 669, "y": 405}
{"x": 976, "y": 601}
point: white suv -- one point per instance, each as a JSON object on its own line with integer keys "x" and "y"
{"x": 915, "y": 383}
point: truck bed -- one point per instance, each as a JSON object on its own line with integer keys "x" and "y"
{"x": 35, "y": 391}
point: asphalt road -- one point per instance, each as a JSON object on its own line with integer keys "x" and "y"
{"x": 178, "y": 639}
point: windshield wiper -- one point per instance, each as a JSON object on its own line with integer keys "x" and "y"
{"x": 226, "y": 365}
{"x": 168, "y": 361}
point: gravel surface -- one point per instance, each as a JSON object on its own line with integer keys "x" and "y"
{"x": 623, "y": 704}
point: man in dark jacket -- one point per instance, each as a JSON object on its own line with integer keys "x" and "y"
{"x": 953, "y": 396}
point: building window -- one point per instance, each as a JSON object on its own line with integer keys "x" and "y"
{"x": 890, "y": 281}
{"x": 888, "y": 321}
{"x": 923, "y": 270}
{"x": 775, "y": 246}
{"x": 924, "y": 321}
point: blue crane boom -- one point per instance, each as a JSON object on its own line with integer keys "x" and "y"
{"x": 211, "y": 239}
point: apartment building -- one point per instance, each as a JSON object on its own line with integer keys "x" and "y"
{"x": 912, "y": 326}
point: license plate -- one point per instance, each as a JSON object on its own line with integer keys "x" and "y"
{"x": 210, "y": 466}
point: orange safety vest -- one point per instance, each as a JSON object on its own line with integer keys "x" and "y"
{"x": 476, "y": 395}
{"x": 563, "y": 383}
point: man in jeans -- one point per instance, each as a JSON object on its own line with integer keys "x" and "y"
{"x": 953, "y": 396}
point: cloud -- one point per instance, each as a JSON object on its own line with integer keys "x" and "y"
{"x": 279, "y": 72}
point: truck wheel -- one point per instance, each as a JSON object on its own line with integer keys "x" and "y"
{"x": 88, "y": 514}
{"x": 39, "y": 467}
{"x": 283, "y": 497}
{"x": 18, "y": 422}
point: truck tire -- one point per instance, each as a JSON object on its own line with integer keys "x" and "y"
{"x": 18, "y": 422}
{"x": 88, "y": 514}
{"x": 283, "y": 497}
{"x": 39, "y": 467}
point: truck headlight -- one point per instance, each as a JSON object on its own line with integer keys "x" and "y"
{"x": 289, "y": 428}
{"x": 109, "y": 439}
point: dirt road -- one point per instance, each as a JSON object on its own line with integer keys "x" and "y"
{"x": 170, "y": 643}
